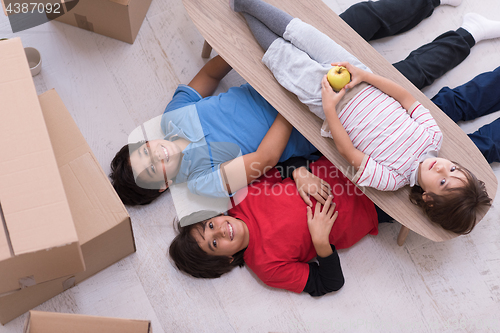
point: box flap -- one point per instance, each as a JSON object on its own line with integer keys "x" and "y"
{"x": 90, "y": 197}
{"x": 33, "y": 201}
{"x": 49, "y": 322}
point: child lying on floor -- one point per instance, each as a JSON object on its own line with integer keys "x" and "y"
{"x": 390, "y": 138}
{"x": 275, "y": 234}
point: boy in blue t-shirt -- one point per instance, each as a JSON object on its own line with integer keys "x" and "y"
{"x": 210, "y": 142}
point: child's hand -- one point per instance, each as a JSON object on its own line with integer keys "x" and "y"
{"x": 321, "y": 223}
{"x": 357, "y": 74}
{"x": 329, "y": 97}
{"x": 309, "y": 184}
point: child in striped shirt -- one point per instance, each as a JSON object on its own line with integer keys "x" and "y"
{"x": 390, "y": 138}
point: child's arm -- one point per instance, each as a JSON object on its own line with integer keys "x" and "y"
{"x": 418, "y": 113}
{"x": 387, "y": 86}
{"x": 339, "y": 134}
{"x": 209, "y": 76}
{"x": 257, "y": 163}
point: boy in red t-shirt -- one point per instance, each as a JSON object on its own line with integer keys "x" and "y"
{"x": 276, "y": 233}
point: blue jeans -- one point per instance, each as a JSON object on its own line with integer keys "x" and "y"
{"x": 478, "y": 97}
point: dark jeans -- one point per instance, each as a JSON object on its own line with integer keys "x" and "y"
{"x": 476, "y": 98}
{"x": 373, "y": 20}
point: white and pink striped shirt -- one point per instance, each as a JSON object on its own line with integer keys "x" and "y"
{"x": 392, "y": 139}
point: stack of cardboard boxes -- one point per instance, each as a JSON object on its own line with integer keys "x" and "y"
{"x": 61, "y": 220}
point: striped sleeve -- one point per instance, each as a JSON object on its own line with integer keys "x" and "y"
{"x": 375, "y": 175}
{"x": 423, "y": 117}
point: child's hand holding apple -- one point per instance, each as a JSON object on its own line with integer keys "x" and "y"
{"x": 329, "y": 97}
{"x": 357, "y": 74}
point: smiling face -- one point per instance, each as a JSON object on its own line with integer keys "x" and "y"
{"x": 155, "y": 162}
{"x": 436, "y": 175}
{"x": 222, "y": 236}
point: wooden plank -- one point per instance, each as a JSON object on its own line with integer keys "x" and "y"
{"x": 228, "y": 33}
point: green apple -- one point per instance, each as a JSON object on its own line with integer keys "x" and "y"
{"x": 338, "y": 76}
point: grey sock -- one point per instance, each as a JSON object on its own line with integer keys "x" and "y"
{"x": 264, "y": 36}
{"x": 275, "y": 19}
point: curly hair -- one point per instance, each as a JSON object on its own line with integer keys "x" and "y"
{"x": 457, "y": 209}
{"x": 191, "y": 259}
{"x": 124, "y": 182}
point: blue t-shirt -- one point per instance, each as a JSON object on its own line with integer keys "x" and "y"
{"x": 221, "y": 128}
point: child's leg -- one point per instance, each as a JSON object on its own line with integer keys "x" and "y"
{"x": 297, "y": 72}
{"x": 307, "y": 38}
{"x": 297, "y": 67}
{"x": 487, "y": 139}
{"x": 261, "y": 32}
{"x": 432, "y": 60}
{"x": 474, "y": 99}
{"x": 319, "y": 46}
{"x": 383, "y": 18}
{"x": 301, "y": 59}
{"x": 275, "y": 19}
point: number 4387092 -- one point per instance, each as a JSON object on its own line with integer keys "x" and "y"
{"x": 33, "y": 7}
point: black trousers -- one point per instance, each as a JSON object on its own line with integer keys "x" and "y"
{"x": 373, "y": 20}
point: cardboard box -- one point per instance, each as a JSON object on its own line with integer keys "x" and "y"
{"x": 38, "y": 240}
{"x": 119, "y": 19}
{"x": 49, "y": 322}
{"x": 102, "y": 222}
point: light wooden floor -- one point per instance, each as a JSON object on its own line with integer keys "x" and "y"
{"x": 110, "y": 87}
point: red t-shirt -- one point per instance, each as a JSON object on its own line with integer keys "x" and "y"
{"x": 280, "y": 243}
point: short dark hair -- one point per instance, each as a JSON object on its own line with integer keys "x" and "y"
{"x": 123, "y": 180}
{"x": 455, "y": 211}
{"x": 191, "y": 259}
